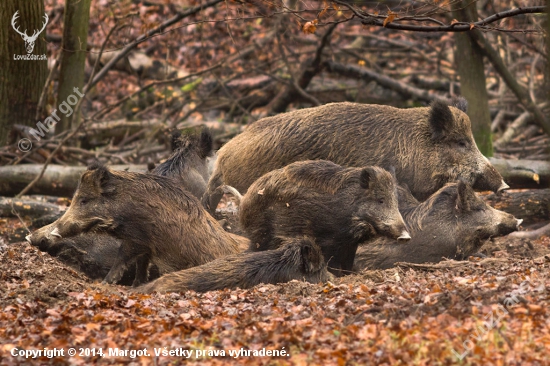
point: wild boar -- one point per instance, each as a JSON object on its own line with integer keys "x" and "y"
{"x": 428, "y": 146}
{"x": 188, "y": 161}
{"x": 338, "y": 207}
{"x": 155, "y": 219}
{"x": 187, "y": 164}
{"x": 452, "y": 223}
{"x": 295, "y": 259}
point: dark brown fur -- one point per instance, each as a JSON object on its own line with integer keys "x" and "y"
{"x": 428, "y": 146}
{"x": 339, "y": 207}
{"x": 453, "y": 223}
{"x": 156, "y": 220}
{"x": 296, "y": 259}
{"x": 187, "y": 163}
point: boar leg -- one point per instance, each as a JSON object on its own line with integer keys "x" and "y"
{"x": 142, "y": 264}
{"x": 129, "y": 254}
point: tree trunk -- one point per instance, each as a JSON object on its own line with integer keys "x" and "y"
{"x": 469, "y": 62}
{"x": 56, "y": 181}
{"x": 73, "y": 59}
{"x": 21, "y": 80}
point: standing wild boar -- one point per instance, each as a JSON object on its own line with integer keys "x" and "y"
{"x": 156, "y": 220}
{"x": 428, "y": 146}
{"x": 452, "y": 223}
{"x": 339, "y": 207}
{"x": 296, "y": 259}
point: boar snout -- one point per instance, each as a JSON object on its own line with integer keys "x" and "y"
{"x": 502, "y": 187}
{"x": 405, "y": 236}
{"x": 396, "y": 230}
{"x": 519, "y": 221}
{"x": 490, "y": 179}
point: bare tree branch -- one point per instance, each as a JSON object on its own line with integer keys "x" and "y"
{"x": 144, "y": 37}
{"x": 378, "y": 20}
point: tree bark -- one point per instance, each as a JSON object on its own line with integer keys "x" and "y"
{"x": 21, "y": 81}
{"x": 469, "y": 62}
{"x": 73, "y": 58}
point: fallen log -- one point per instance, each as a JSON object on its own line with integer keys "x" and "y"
{"x": 530, "y": 205}
{"x": 523, "y": 173}
{"x": 57, "y": 180}
{"x": 27, "y": 208}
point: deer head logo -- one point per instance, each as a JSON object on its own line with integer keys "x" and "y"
{"x": 29, "y": 41}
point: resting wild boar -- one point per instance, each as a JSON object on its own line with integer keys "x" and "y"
{"x": 155, "y": 219}
{"x": 94, "y": 253}
{"x": 91, "y": 253}
{"x": 339, "y": 207}
{"x": 452, "y": 223}
{"x": 296, "y": 259}
{"x": 428, "y": 146}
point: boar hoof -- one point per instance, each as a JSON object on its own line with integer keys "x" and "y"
{"x": 114, "y": 275}
{"x": 404, "y": 236}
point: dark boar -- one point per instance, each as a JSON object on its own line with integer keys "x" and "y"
{"x": 296, "y": 259}
{"x": 428, "y": 146}
{"x": 156, "y": 220}
{"x": 187, "y": 163}
{"x": 339, "y": 207}
{"x": 91, "y": 253}
{"x": 453, "y": 223}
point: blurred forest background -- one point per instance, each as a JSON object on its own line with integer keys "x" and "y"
{"x": 147, "y": 67}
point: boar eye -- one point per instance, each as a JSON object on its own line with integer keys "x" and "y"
{"x": 381, "y": 201}
{"x": 462, "y": 143}
{"x": 83, "y": 201}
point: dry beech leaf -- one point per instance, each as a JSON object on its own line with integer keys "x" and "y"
{"x": 310, "y": 27}
{"x": 391, "y": 17}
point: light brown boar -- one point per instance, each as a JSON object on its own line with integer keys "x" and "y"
{"x": 428, "y": 146}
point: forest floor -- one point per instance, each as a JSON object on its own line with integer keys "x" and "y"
{"x": 492, "y": 311}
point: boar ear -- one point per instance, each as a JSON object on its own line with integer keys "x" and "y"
{"x": 101, "y": 177}
{"x": 466, "y": 196}
{"x": 205, "y": 144}
{"x": 175, "y": 139}
{"x": 367, "y": 174}
{"x": 391, "y": 169}
{"x": 441, "y": 119}
{"x": 460, "y": 103}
